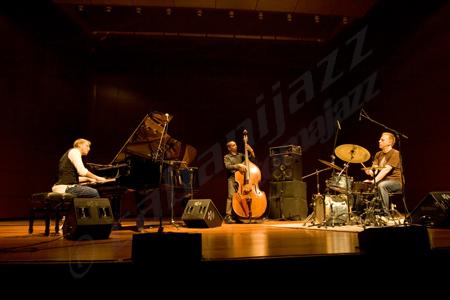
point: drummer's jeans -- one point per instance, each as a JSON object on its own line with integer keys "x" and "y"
{"x": 388, "y": 186}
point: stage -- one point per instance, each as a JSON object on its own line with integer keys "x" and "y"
{"x": 274, "y": 251}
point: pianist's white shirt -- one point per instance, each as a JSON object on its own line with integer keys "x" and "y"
{"x": 74, "y": 156}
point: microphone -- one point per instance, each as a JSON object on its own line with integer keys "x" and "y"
{"x": 338, "y": 124}
{"x": 360, "y": 114}
{"x": 167, "y": 116}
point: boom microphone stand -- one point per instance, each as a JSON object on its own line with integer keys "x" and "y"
{"x": 348, "y": 193}
{"x": 398, "y": 135}
{"x": 333, "y": 157}
{"x": 320, "y": 197}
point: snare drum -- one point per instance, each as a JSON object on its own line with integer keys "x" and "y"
{"x": 340, "y": 183}
{"x": 336, "y": 209}
{"x": 362, "y": 188}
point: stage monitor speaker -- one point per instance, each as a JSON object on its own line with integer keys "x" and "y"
{"x": 433, "y": 210}
{"x": 88, "y": 218}
{"x": 286, "y": 166}
{"x": 201, "y": 213}
{"x": 287, "y": 200}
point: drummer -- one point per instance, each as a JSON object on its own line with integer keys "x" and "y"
{"x": 386, "y": 172}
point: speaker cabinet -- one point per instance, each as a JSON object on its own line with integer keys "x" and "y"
{"x": 287, "y": 200}
{"x": 433, "y": 210}
{"x": 88, "y": 218}
{"x": 395, "y": 240}
{"x": 285, "y": 165}
{"x": 201, "y": 213}
{"x": 165, "y": 249}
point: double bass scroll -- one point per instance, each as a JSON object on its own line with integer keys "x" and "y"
{"x": 248, "y": 200}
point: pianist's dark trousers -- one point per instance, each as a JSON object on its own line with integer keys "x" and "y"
{"x": 83, "y": 191}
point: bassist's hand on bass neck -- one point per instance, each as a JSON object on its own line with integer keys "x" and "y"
{"x": 250, "y": 150}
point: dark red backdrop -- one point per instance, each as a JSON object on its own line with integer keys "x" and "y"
{"x": 55, "y": 87}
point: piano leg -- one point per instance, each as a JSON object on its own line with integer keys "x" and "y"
{"x": 116, "y": 205}
{"x": 144, "y": 201}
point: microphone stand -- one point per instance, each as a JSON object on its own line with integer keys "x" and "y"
{"x": 160, "y": 153}
{"x": 315, "y": 199}
{"x": 160, "y": 146}
{"x": 398, "y": 134}
{"x": 333, "y": 157}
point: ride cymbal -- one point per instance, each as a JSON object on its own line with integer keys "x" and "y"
{"x": 331, "y": 165}
{"x": 352, "y": 153}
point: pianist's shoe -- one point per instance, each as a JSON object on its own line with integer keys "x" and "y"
{"x": 61, "y": 224}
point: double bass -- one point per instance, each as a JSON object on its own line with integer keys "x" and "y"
{"x": 248, "y": 200}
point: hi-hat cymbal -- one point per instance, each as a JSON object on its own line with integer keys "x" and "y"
{"x": 331, "y": 165}
{"x": 352, "y": 153}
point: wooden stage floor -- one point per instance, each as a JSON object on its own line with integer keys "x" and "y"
{"x": 271, "y": 249}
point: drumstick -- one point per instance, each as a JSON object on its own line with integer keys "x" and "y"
{"x": 365, "y": 169}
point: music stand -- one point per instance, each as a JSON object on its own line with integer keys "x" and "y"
{"x": 177, "y": 167}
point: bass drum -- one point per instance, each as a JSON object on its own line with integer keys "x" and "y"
{"x": 335, "y": 212}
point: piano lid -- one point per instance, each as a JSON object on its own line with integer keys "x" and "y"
{"x": 151, "y": 141}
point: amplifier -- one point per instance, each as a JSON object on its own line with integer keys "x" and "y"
{"x": 288, "y": 149}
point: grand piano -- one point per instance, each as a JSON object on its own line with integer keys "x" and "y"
{"x": 150, "y": 160}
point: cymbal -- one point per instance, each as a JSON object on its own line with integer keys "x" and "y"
{"x": 372, "y": 168}
{"x": 352, "y": 153}
{"x": 331, "y": 165}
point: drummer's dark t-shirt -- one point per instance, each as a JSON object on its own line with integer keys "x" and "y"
{"x": 391, "y": 158}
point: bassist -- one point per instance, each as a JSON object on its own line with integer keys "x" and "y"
{"x": 234, "y": 161}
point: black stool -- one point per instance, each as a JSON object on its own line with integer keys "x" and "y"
{"x": 395, "y": 202}
{"x": 395, "y": 199}
{"x": 49, "y": 204}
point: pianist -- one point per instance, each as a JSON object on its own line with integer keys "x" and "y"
{"x": 72, "y": 173}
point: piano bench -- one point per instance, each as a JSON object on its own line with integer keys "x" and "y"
{"x": 48, "y": 204}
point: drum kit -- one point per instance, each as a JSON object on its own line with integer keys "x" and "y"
{"x": 337, "y": 208}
